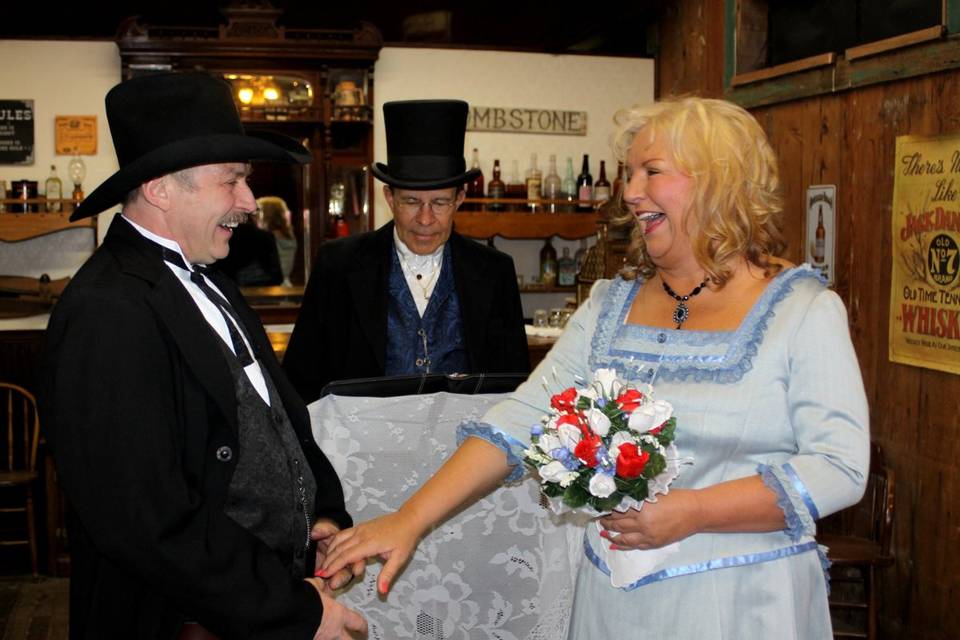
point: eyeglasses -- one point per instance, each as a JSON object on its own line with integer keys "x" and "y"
{"x": 439, "y": 206}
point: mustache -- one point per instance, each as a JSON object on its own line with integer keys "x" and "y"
{"x": 238, "y": 217}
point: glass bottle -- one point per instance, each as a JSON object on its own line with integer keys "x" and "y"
{"x": 53, "y": 191}
{"x": 496, "y": 189}
{"x": 566, "y": 269}
{"x": 568, "y": 186}
{"x": 601, "y": 190}
{"x": 819, "y": 244}
{"x": 618, "y": 182}
{"x": 515, "y": 187}
{"x": 534, "y": 178}
{"x": 585, "y": 186}
{"x": 551, "y": 185}
{"x": 548, "y": 264}
{"x": 475, "y": 186}
{"x": 77, "y": 170}
{"x": 581, "y": 254}
{"x": 3, "y": 195}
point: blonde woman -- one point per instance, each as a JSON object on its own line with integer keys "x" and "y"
{"x": 275, "y": 218}
{"x": 755, "y": 355}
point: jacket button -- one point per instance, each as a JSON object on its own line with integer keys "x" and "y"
{"x": 278, "y": 418}
{"x": 419, "y": 362}
{"x": 224, "y": 454}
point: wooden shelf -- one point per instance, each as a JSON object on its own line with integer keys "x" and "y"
{"x": 521, "y": 225}
{"x": 22, "y": 226}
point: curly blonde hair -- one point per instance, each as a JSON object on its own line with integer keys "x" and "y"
{"x": 736, "y": 187}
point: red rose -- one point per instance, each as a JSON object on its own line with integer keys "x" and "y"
{"x": 629, "y": 400}
{"x": 587, "y": 448}
{"x": 564, "y": 401}
{"x": 631, "y": 461}
{"x": 569, "y": 418}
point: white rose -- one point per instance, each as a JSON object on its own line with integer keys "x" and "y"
{"x": 569, "y": 436}
{"x": 602, "y": 485}
{"x": 607, "y": 379}
{"x": 588, "y": 392}
{"x": 599, "y": 423}
{"x": 618, "y": 439}
{"x": 553, "y": 472}
{"x": 548, "y": 442}
{"x": 650, "y": 415}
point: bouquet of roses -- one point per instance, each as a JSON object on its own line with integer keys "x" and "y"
{"x": 605, "y": 446}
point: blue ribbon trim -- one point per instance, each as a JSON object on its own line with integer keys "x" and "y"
{"x": 512, "y": 447}
{"x": 802, "y": 490}
{"x": 700, "y": 567}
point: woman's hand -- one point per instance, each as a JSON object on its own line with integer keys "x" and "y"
{"x": 672, "y": 517}
{"x": 393, "y": 537}
{"x": 323, "y": 532}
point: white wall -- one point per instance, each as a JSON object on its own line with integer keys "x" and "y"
{"x": 599, "y": 85}
{"x": 62, "y": 78}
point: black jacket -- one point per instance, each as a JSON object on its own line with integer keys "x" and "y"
{"x": 139, "y": 407}
{"x": 341, "y": 331}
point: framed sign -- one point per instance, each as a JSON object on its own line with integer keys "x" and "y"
{"x": 821, "y": 236}
{"x": 16, "y": 131}
{"x": 521, "y": 120}
{"x": 75, "y": 135}
{"x": 925, "y": 232}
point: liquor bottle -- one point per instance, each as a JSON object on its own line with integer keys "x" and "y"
{"x": 566, "y": 269}
{"x": 819, "y": 244}
{"x": 568, "y": 187}
{"x": 515, "y": 187}
{"x": 77, "y": 170}
{"x": 585, "y": 186}
{"x": 581, "y": 254}
{"x": 53, "y": 191}
{"x": 601, "y": 190}
{"x": 475, "y": 187}
{"x": 548, "y": 264}
{"x": 551, "y": 185}
{"x": 534, "y": 178}
{"x": 496, "y": 188}
{"x": 618, "y": 182}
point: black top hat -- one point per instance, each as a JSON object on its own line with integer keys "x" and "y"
{"x": 425, "y": 144}
{"x": 167, "y": 122}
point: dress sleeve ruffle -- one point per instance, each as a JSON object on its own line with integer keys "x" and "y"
{"x": 512, "y": 447}
{"x": 793, "y": 499}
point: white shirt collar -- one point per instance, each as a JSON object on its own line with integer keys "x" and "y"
{"x": 163, "y": 242}
{"x": 416, "y": 261}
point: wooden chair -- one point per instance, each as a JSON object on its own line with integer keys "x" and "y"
{"x": 18, "y": 467}
{"x": 859, "y": 548}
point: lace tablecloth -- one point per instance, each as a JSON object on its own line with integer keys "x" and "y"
{"x": 502, "y": 569}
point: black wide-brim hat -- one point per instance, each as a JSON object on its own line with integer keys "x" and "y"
{"x": 425, "y": 144}
{"x": 167, "y": 122}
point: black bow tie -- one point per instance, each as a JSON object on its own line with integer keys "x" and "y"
{"x": 226, "y": 309}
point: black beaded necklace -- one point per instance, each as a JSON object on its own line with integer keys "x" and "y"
{"x": 681, "y": 313}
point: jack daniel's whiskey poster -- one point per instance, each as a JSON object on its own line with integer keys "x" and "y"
{"x": 925, "y": 279}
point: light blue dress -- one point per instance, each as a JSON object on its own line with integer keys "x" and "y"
{"x": 781, "y": 396}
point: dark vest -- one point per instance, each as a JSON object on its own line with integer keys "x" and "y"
{"x": 272, "y": 491}
{"x": 433, "y": 343}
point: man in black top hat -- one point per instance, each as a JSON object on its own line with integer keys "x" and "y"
{"x": 185, "y": 453}
{"x": 414, "y": 296}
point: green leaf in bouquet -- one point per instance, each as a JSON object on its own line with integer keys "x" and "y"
{"x": 608, "y": 503}
{"x": 552, "y": 489}
{"x": 667, "y": 434}
{"x": 638, "y": 489}
{"x": 584, "y": 403}
{"x": 576, "y": 495}
{"x": 655, "y": 465}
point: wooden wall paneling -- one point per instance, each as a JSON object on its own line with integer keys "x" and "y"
{"x": 690, "y": 60}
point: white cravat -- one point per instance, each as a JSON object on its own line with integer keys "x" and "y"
{"x": 210, "y": 312}
{"x": 420, "y": 272}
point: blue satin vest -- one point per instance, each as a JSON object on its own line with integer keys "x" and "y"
{"x": 433, "y": 343}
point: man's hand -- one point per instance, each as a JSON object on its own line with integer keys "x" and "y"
{"x": 338, "y": 621}
{"x": 323, "y": 532}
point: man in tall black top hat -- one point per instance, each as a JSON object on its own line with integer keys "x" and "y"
{"x": 413, "y": 296}
{"x": 185, "y": 453}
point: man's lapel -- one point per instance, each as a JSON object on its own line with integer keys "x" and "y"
{"x": 475, "y": 292}
{"x": 369, "y": 291}
{"x": 176, "y": 310}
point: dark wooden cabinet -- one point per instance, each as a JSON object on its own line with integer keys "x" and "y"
{"x": 315, "y": 85}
